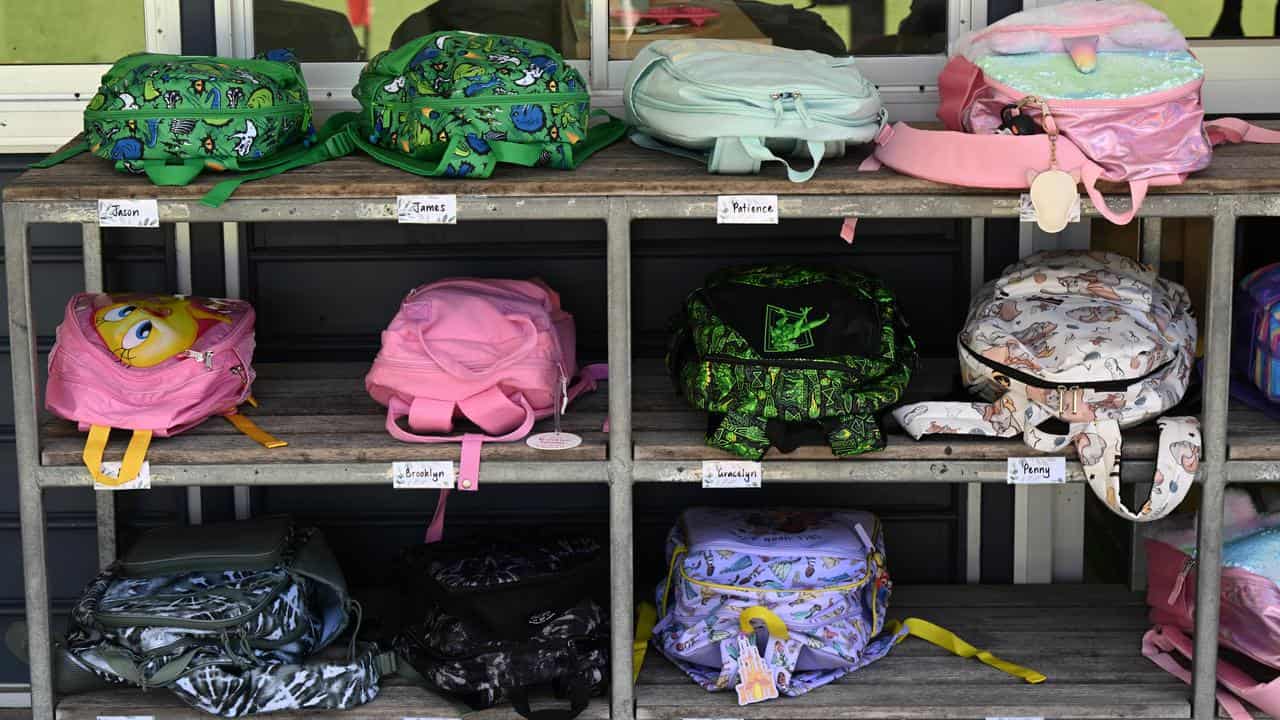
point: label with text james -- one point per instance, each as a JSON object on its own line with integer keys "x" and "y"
{"x": 731, "y": 474}
{"x": 1037, "y": 470}
{"x": 427, "y": 209}
{"x": 128, "y": 213}
{"x": 747, "y": 210}
{"x": 423, "y": 475}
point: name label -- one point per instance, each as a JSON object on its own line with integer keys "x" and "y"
{"x": 731, "y": 474}
{"x": 427, "y": 209}
{"x": 112, "y": 470}
{"x": 1037, "y": 470}
{"x": 747, "y": 210}
{"x": 128, "y": 213}
{"x": 423, "y": 475}
{"x": 126, "y": 717}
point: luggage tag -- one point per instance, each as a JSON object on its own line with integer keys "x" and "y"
{"x": 556, "y": 440}
{"x": 757, "y": 683}
{"x": 1053, "y": 191}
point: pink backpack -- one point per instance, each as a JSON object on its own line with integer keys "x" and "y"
{"x": 499, "y": 353}
{"x": 1114, "y": 79}
{"x": 1250, "y": 616}
{"x": 153, "y": 364}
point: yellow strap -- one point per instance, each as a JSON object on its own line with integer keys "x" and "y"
{"x": 248, "y": 427}
{"x": 772, "y": 622}
{"x": 671, "y": 573}
{"x": 948, "y": 640}
{"x": 253, "y": 401}
{"x": 646, "y": 618}
{"x": 134, "y": 455}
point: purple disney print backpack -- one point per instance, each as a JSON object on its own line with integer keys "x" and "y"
{"x": 816, "y": 582}
{"x": 1094, "y": 340}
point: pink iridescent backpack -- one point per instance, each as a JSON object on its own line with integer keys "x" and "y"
{"x": 499, "y": 353}
{"x": 1099, "y": 91}
{"x": 1249, "y": 629}
{"x": 154, "y": 364}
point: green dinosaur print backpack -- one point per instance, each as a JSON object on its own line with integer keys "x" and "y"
{"x": 455, "y": 104}
{"x": 778, "y": 352}
{"x": 172, "y": 117}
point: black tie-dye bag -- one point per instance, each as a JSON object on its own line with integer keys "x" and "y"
{"x": 501, "y": 619}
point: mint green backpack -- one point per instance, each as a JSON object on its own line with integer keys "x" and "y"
{"x": 171, "y": 117}
{"x": 455, "y": 104}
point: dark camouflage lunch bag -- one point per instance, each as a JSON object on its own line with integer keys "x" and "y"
{"x": 229, "y": 617}
{"x": 500, "y": 619}
{"x": 768, "y": 350}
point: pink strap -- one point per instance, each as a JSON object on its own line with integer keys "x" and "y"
{"x": 494, "y": 412}
{"x": 435, "y": 531}
{"x": 1235, "y": 130}
{"x": 1137, "y": 189}
{"x": 587, "y": 379}
{"x": 958, "y": 84}
{"x": 1161, "y": 641}
{"x": 397, "y": 409}
{"x": 456, "y": 368}
{"x": 430, "y": 415}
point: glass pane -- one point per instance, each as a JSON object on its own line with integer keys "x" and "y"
{"x": 354, "y": 30}
{"x": 835, "y": 27}
{"x": 1222, "y": 18}
{"x": 45, "y": 32}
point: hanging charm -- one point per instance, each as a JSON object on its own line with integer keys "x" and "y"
{"x": 1053, "y": 192}
{"x": 757, "y": 683}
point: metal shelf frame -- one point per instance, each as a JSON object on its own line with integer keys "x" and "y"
{"x": 617, "y": 212}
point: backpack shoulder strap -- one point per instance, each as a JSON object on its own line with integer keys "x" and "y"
{"x": 62, "y": 155}
{"x": 1162, "y": 642}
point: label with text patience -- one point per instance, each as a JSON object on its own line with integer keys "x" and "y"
{"x": 731, "y": 474}
{"x": 423, "y": 475}
{"x": 128, "y": 213}
{"x": 427, "y": 209}
{"x": 1037, "y": 470}
{"x": 747, "y": 210}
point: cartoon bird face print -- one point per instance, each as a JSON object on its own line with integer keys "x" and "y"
{"x": 143, "y": 332}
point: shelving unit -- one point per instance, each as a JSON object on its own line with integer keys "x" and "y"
{"x": 1086, "y": 638}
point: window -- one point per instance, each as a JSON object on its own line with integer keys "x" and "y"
{"x": 1235, "y": 41}
{"x": 902, "y": 43}
{"x": 49, "y": 65}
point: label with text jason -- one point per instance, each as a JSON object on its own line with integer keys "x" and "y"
{"x": 731, "y": 474}
{"x": 427, "y": 209}
{"x": 1037, "y": 470}
{"x": 747, "y": 210}
{"x": 128, "y": 213}
{"x": 423, "y": 475}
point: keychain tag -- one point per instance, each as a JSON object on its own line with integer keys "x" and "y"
{"x": 1053, "y": 194}
{"x": 556, "y": 440}
{"x": 757, "y": 683}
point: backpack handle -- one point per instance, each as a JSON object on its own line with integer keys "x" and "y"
{"x": 1089, "y": 176}
{"x": 96, "y": 444}
{"x": 161, "y": 172}
{"x": 456, "y": 368}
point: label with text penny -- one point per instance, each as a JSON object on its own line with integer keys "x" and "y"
{"x": 423, "y": 475}
{"x": 1037, "y": 470}
{"x": 128, "y": 213}
{"x": 427, "y": 209}
{"x": 731, "y": 474}
{"x": 747, "y": 210}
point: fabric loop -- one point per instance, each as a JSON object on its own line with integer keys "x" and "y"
{"x": 429, "y": 415}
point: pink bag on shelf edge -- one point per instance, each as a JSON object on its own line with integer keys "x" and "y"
{"x": 1151, "y": 133}
{"x": 154, "y": 364}
{"x": 1250, "y": 615}
{"x": 499, "y": 353}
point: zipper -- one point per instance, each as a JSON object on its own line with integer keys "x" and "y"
{"x": 183, "y": 112}
{"x": 738, "y": 588}
{"x": 780, "y": 362}
{"x": 1058, "y": 30}
{"x": 504, "y": 646}
{"x": 530, "y": 99}
{"x": 1181, "y": 580}
{"x": 277, "y": 71}
{"x": 1033, "y": 381}
{"x": 763, "y": 111}
{"x": 205, "y": 358}
{"x": 1128, "y": 103}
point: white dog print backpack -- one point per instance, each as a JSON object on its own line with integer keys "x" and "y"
{"x": 1094, "y": 340}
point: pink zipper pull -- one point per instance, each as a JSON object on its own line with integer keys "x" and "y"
{"x": 1180, "y": 581}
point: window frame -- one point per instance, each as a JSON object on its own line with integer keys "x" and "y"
{"x": 1237, "y": 70}
{"x": 908, "y": 83}
{"x": 43, "y": 105}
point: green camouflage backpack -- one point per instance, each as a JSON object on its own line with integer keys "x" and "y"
{"x": 455, "y": 104}
{"x": 174, "y": 116}
{"x": 769, "y": 349}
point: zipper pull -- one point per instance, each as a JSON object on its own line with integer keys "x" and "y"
{"x": 238, "y": 371}
{"x": 1062, "y": 397}
{"x": 1181, "y": 580}
{"x": 203, "y": 357}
